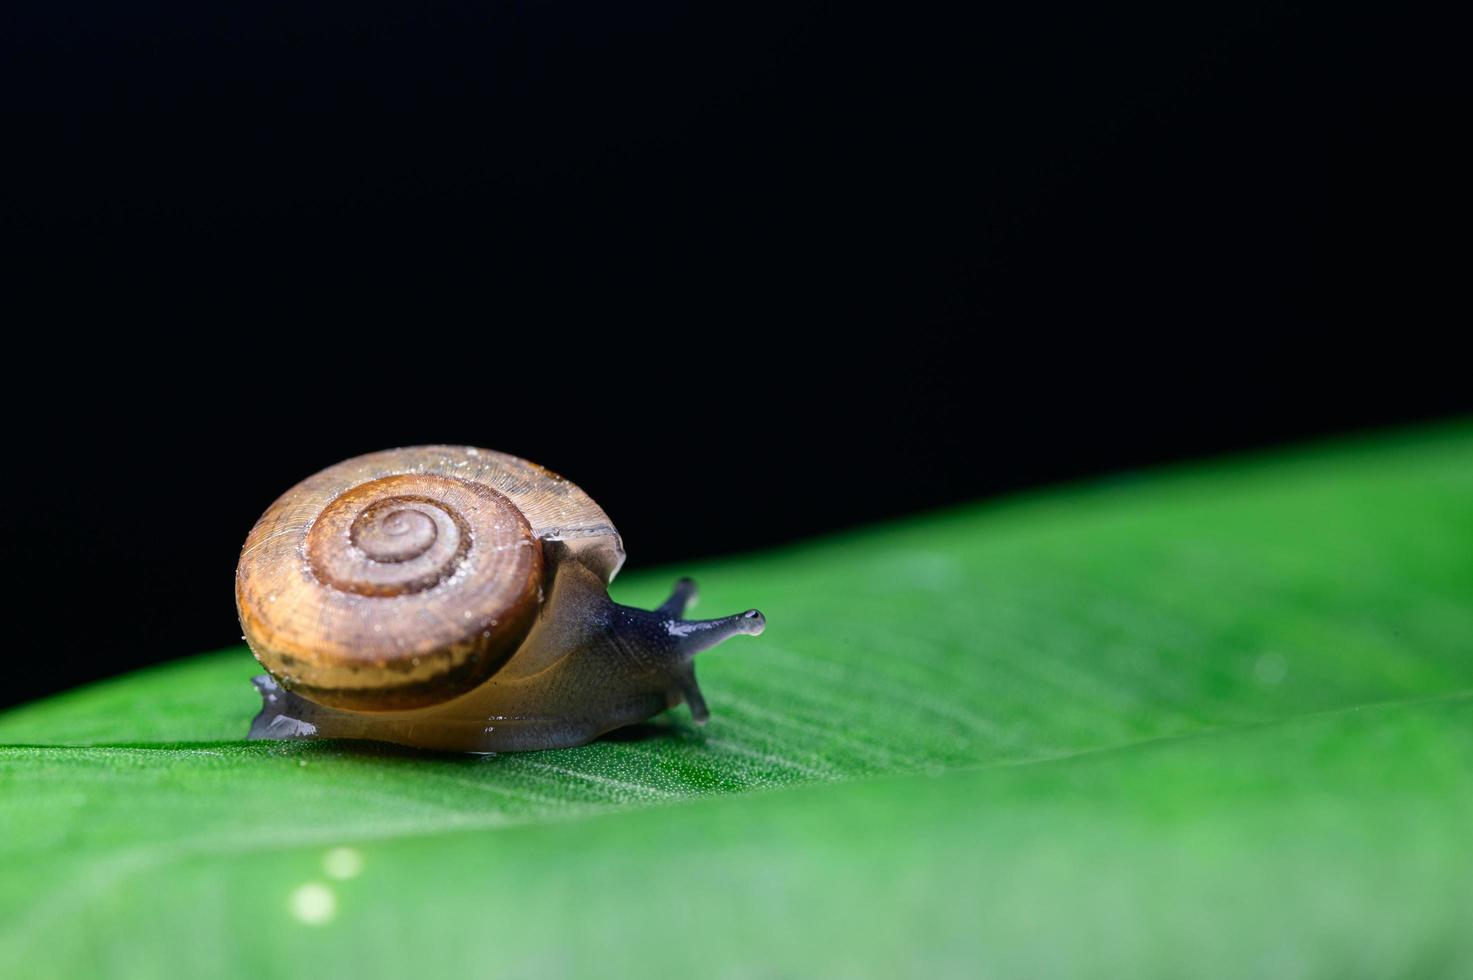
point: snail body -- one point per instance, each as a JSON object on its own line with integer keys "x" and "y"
{"x": 456, "y": 598}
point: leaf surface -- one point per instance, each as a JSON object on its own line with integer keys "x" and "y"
{"x": 1211, "y": 720}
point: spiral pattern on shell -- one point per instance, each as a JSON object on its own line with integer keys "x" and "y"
{"x": 406, "y": 578}
{"x": 405, "y": 534}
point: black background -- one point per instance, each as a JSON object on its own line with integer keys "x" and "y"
{"x": 746, "y": 272}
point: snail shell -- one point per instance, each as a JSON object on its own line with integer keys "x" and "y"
{"x": 440, "y": 595}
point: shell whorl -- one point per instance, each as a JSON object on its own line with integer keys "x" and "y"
{"x": 405, "y": 578}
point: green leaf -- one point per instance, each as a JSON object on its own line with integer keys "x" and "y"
{"x": 1208, "y": 722}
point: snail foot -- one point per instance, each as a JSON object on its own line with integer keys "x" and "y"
{"x": 279, "y": 711}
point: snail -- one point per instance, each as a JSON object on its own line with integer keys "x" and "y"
{"x": 456, "y": 598}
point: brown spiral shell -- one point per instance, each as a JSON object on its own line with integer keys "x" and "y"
{"x": 407, "y": 577}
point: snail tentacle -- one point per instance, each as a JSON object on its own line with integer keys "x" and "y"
{"x": 682, "y": 598}
{"x": 685, "y": 683}
{"x": 691, "y": 636}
